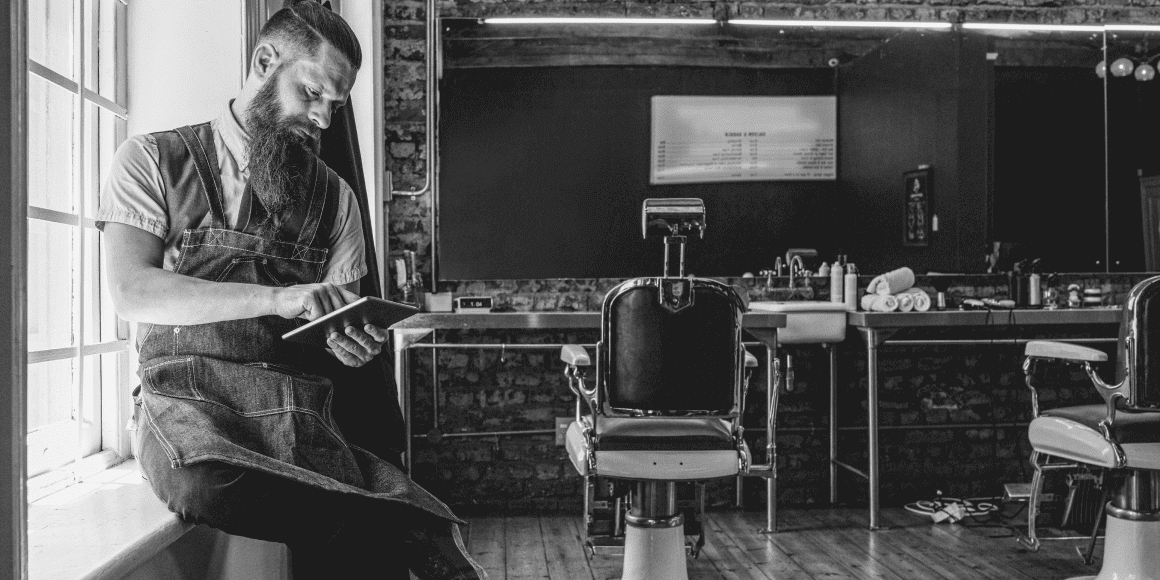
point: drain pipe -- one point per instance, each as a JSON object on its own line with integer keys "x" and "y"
{"x": 432, "y": 107}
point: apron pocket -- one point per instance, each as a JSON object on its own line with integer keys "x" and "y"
{"x": 249, "y": 390}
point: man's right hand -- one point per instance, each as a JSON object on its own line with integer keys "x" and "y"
{"x": 310, "y": 301}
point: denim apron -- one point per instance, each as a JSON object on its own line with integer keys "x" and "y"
{"x": 234, "y": 391}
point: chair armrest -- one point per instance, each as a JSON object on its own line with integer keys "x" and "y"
{"x": 575, "y": 355}
{"x": 750, "y": 360}
{"x": 1063, "y": 350}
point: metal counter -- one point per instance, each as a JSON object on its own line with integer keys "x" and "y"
{"x": 407, "y": 334}
{"x": 877, "y": 328}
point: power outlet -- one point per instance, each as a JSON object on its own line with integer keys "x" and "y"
{"x": 562, "y": 424}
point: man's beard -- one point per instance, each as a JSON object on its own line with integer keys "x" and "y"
{"x": 281, "y": 159}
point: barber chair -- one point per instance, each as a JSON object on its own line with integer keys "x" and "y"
{"x": 664, "y": 413}
{"x": 1120, "y": 438}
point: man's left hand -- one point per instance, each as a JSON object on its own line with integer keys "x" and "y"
{"x": 359, "y": 345}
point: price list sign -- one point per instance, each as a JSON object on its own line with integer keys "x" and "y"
{"x": 715, "y": 139}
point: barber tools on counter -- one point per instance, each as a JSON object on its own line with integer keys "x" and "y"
{"x": 895, "y": 291}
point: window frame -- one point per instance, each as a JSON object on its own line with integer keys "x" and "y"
{"x": 104, "y": 443}
{"x": 14, "y": 231}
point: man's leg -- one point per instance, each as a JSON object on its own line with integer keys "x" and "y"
{"x": 330, "y": 535}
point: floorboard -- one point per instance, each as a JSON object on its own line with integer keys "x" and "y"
{"x": 812, "y": 544}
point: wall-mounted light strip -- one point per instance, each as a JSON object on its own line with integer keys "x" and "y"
{"x": 843, "y": 24}
{"x": 1132, "y": 27}
{"x": 1033, "y": 27}
{"x": 598, "y": 21}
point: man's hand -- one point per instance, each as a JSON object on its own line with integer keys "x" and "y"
{"x": 359, "y": 345}
{"x": 311, "y": 301}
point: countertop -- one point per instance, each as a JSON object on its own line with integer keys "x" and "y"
{"x": 534, "y": 320}
{"x": 1017, "y": 317}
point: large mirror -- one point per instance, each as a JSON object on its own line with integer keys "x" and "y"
{"x": 1018, "y": 156}
{"x": 1133, "y": 155}
{"x": 1047, "y": 162}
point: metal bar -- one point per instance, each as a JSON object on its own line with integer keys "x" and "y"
{"x": 71, "y": 351}
{"x": 60, "y": 217}
{"x": 475, "y": 434}
{"x": 494, "y": 346}
{"x": 434, "y": 382}
{"x": 52, "y": 76}
{"x": 106, "y": 104}
{"x": 833, "y": 350}
{"x": 429, "y": 118}
{"x": 403, "y": 380}
{"x": 849, "y": 467}
{"x": 872, "y": 420}
{"x": 772, "y": 382}
{"x": 996, "y": 342}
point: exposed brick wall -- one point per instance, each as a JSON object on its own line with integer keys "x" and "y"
{"x": 928, "y": 394}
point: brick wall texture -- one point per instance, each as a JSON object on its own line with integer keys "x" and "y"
{"x": 954, "y": 417}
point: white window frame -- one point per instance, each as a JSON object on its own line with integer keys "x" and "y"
{"x": 104, "y": 442}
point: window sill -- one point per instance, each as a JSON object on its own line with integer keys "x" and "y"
{"x": 101, "y": 528}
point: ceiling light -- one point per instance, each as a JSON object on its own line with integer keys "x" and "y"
{"x": 598, "y": 21}
{"x": 1032, "y": 27}
{"x": 843, "y": 23}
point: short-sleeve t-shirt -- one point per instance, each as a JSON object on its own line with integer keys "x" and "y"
{"x": 134, "y": 194}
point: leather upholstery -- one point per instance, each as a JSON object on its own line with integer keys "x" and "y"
{"x": 686, "y": 360}
{"x": 663, "y": 434}
{"x": 1130, "y": 427}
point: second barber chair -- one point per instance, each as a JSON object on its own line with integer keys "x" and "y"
{"x": 664, "y": 410}
{"x": 1120, "y": 438}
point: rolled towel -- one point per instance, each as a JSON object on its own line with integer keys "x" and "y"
{"x": 878, "y": 303}
{"x": 905, "y": 301}
{"x": 921, "y": 299}
{"x": 892, "y": 282}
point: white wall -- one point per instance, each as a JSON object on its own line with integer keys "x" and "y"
{"x": 185, "y": 61}
{"x": 360, "y": 14}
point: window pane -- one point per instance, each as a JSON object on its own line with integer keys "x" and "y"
{"x": 110, "y": 132}
{"x": 51, "y": 151}
{"x": 52, "y": 431}
{"x": 101, "y": 57}
{"x": 92, "y": 287}
{"x": 91, "y": 406}
{"x": 51, "y": 285}
{"x": 50, "y": 34}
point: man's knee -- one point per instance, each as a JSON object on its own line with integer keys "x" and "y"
{"x": 199, "y": 493}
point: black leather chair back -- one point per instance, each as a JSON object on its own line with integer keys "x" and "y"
{"x": 1140, "y": 342}
{"x": 657, "y": 361}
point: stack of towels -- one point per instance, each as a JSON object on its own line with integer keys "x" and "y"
{"x": 893, "y": 291}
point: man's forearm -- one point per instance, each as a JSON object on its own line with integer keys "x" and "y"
{"x": 159, "y": 296}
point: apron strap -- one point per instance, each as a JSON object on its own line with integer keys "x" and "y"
{"x": 326, "y": 188}
{"x": 206, "y": 163}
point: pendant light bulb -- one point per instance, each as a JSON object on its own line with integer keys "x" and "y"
{"x": 1145, "y": 72}
{"x": 1122, "y": 67}
{"x": 1102, "y": 69}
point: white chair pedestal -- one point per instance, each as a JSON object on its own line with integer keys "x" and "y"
{"x": 651, "y": 553}
{"x": 654, "y": 535}
{"x": 1131, "y": 551}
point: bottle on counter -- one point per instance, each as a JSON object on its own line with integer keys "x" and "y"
{"x": 1034, "y": 286}
{"x": 837, "y": 283}
{"x": 850, "y": 288}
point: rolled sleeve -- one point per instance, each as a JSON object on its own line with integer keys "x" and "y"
{"x": 134, "y": 193}
{"x": 347, "y": 259}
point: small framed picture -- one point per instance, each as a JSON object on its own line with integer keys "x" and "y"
{"x": 917, "y": 195}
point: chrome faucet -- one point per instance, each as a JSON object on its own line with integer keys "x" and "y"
{"x": 795, "y": 269}
{"x": 793, "y": 258}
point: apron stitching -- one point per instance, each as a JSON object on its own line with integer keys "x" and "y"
{"x": 189, "y": 379}
{"x": 302, "y": 259}
{"x": 183, "y": 253}
{"x": 174, "y": 461}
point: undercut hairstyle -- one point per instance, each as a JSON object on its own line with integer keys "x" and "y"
{"x": 302, "y": 25}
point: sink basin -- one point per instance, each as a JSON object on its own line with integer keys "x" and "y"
{"x": 807, "y": 321}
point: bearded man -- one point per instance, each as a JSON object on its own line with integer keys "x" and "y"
{"x": 220, "y": 238}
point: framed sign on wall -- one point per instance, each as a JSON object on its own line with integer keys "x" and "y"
{"x": 917, "y": 195}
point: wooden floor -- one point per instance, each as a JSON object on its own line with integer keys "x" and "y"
{"x": 812, "y": 544}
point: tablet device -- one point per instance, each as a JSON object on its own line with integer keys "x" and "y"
{"x": 366, "y": 310}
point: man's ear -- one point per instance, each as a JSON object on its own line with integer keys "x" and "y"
{"x": 265, "y": 60}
